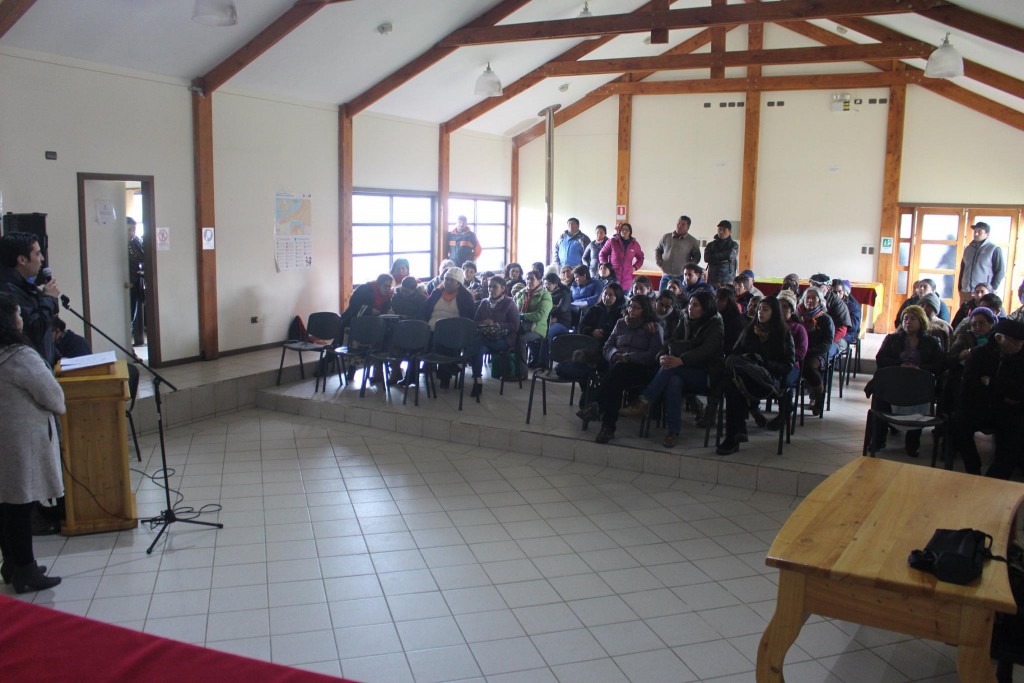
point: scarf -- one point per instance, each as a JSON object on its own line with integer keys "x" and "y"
{"x": 492, "y": 302}
{"x": 528, "y": 298}
{"x": 809, "y": 316}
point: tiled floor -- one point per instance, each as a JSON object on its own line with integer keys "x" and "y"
{"x": 390, "y": 557}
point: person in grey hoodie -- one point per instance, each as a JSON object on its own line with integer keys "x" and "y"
{"x": 982, "y": 263}
{"x": 591, "y": 255}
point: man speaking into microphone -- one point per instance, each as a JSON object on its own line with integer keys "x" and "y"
{"x": 21, "y": 262}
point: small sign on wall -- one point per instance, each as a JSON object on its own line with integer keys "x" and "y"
{"x": 886, "y": 247}
{"x": 163, "y": 239}
{"x": 620, "y": 212}
{"x": 208, "y": 237}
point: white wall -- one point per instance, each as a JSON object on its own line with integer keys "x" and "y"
{"x": 261, "y": 148}
{"x": 394, "y": 154}
{"x": 953, "y": 156}
{"x": 101, "y": 122}
{"x": 480, "y": 164}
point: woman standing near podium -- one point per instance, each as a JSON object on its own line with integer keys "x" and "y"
{"x": 29, "y": 448}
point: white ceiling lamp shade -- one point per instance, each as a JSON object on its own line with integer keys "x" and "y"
{"x": 488, "y": 85}
{"x": 945, "y": 62}
{"x": 215, "y": 12}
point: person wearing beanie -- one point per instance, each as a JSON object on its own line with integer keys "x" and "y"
{"x": 937, "y": 327}
{"x": 992, "y": 400}
{"x": 450, "y": 300}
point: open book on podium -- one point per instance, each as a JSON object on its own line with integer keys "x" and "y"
{"x": 94, "y": 445}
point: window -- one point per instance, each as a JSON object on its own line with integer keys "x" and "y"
{"x": 488, "y": 218}
{"x": 390, "y": 226}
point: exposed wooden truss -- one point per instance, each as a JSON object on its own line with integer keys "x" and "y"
{"x": 11, "y": 11}
{"x": 988, "y": 28}
{"x": 699, "y": 17}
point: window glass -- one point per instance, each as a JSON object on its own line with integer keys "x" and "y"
{"x": 491, "y": 235}
{"x": 904, "y": 254}
{"x": 370, "y": 239}
{"x": 366, "y": 268}
{"x": 459, "y": 207}
{"x": 413, "y": 210}
{"x": 412, "y": 237}
{"x": 419, "y": 263}
{"x": 369, "y": 208}
{"x": 901, "y": 285}
{"x": 906, "y": 225}
{"x": 936, "y": 226}
{"x": 486, "y": 217}
{"x": 491, "y": 259}
{"x": 938, "y": 256}
{"x": 1000, "y": 227}
{"x": 490, "y": 212}
{"x": 943, "y": 283}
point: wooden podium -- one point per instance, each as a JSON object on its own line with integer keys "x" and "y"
{"x": 94, "y": 441}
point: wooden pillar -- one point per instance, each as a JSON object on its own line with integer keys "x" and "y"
{"x": 513, "y": 236}
{"x": 625, "y": 142}
{"x": 751, "y": 145}
{"x": 344, "y": 206}
{"x": 718, "y": 43}
{"x": 889, "y": 226}
{"x": 444, "y": 154}
{"x": 206, "y": 259}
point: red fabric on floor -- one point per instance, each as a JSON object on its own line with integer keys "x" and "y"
{"x": 39, "y": 645}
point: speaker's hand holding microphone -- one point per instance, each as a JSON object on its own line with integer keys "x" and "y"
{"x": 48, "y": 284}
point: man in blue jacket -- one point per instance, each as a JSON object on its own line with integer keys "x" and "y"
{"x": 571, "y": 245}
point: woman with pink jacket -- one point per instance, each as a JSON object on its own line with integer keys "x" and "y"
{"x": 624, "y": 254}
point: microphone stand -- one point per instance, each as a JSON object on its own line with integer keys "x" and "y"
{"x": 168, "y": 516}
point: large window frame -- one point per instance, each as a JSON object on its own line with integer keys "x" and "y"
{"x": 422, "y": 259}
{"x": 487, "y": 221}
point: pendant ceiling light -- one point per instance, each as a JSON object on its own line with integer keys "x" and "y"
{"x": 488, "y": 85}
{"x": 586, "y": 11}
{"x": 945, "y": 62}
{"x": 215, "y": 12}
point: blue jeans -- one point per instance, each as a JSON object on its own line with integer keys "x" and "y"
{"x": 673, "y": 384}
{"x": 496, "y": 347}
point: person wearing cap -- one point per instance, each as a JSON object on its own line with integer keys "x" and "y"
{"x": 792, "y": 283}
{"x": 463, "y": 244}
{"x": 937, "y": 327}
{"x": 745, "y": 289}
{"x": 675, "y": 250}
{"x": 722, "y": 254}
{"x": 982, "y": 263}
{"x": 992, "y": 400}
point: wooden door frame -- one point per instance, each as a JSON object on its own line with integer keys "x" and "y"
{"x": 149, "y": 247}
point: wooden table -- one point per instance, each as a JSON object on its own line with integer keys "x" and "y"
{"x": 843, "y": 554}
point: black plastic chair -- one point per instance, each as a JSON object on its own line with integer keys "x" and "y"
{"x": 321, "y": 325}
{"x": 899, "y": 386}
{"x": 365, "y": 335}
{"x": 409, "y": 341}
{"x": 562, "y": 349}
{"x": 453, "y": 341}
{"x": 133, "y": 391}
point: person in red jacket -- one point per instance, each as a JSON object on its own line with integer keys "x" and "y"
{"x": 624, "y": 254}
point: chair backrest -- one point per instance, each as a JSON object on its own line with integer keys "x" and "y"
{"x": 324, "y": 325}
{"x": 565, "y": 345}
{"x": 133, "y": 385}
{"x": 410, "y": 335}
{"x": 903, "y": 386}
{"x": 367, "y": 330}
{"x": 454, "y": 333}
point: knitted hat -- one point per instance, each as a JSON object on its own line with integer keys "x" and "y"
{"x": 986, "y": 312}
{"x": 455, "y": 274}
{"x": 788, "y": 296}
{"x": 931, "y": 299}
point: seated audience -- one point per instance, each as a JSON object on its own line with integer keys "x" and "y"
{"x": 752, "y": 304}
{"x": 980, "y": 324}
{"x": 843, "y": 290}
{"x": 472, "y": 282}
{"x": 584, "y": 291}
{"x": 538, "y": 268}
{"x": 980, "y": 290}
{"x": 1018, "y": 314}
{"x": 408, "y": 301}
{"x": 439, "y": 280}
{"x": 497, "y": 324}
{"x": 693, "y": 281}
{"x": 792, "y": 283}
{"x": 513, "y": 275}
{"x": 600, "y": 319}
{"x": 567, "y": 276}
{"x": 909, "y": 346}
{"x": 451, "y": 300}
{"x": 937, "y": 327}
{"x": 836, "y": 309}
{"x": 630, "y": 353}
{"x": 69, "y": 343}
{"x": 370, "y": 298}
{"x": 788, "y": 305}
{"x": 745, "y": 289}
{"x": 732, "y": 319}
{"x": 686, "y": 361}
{"x": 400, "y": 269}
{"x": 922, "y": 287}
{"x": 756, "y": 369}
{"x": 606, "y": 274}
{"x": 668, "y": 314}
{"x": 642, "y": 287}
{"x": 534, "y": 303}
{"x": 675, "y": 285}
{"x": 820, "y": 334}
{"x": 992, "y": 400}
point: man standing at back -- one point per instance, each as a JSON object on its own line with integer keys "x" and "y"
{"x": 571, "y": 245}
{"x": 462, "y": 243}
{"x": 21, "y": 260}
{"x": 982, "y": 263}
{"x": 675, "y": 250}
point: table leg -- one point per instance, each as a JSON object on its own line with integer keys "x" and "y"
{"x": 783, "y": 629}
{"x": 972, "y": 654}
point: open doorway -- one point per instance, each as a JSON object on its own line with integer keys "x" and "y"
{"x": 118, "y": 296}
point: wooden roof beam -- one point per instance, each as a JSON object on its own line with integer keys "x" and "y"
{"x": 763, "y": 84}
{"x": 799, "y": 55}
{"x": 264, "y": 40}
{"x": 11, "y": 11}
{"x": 406, "y": 73}
{"x": 597, "y": 96}
{"x": 988, "y": 28}
{"x": 699, "y": 17}
{"x": 982, "y": 74}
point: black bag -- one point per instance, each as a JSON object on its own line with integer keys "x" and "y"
{"x": 955, "y": 555}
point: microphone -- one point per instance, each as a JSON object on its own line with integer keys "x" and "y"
{"x": 64, "y": 299}
{"x": 45, "y": 275}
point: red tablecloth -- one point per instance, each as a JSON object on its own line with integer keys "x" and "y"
{"x": 40, "y": 645}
